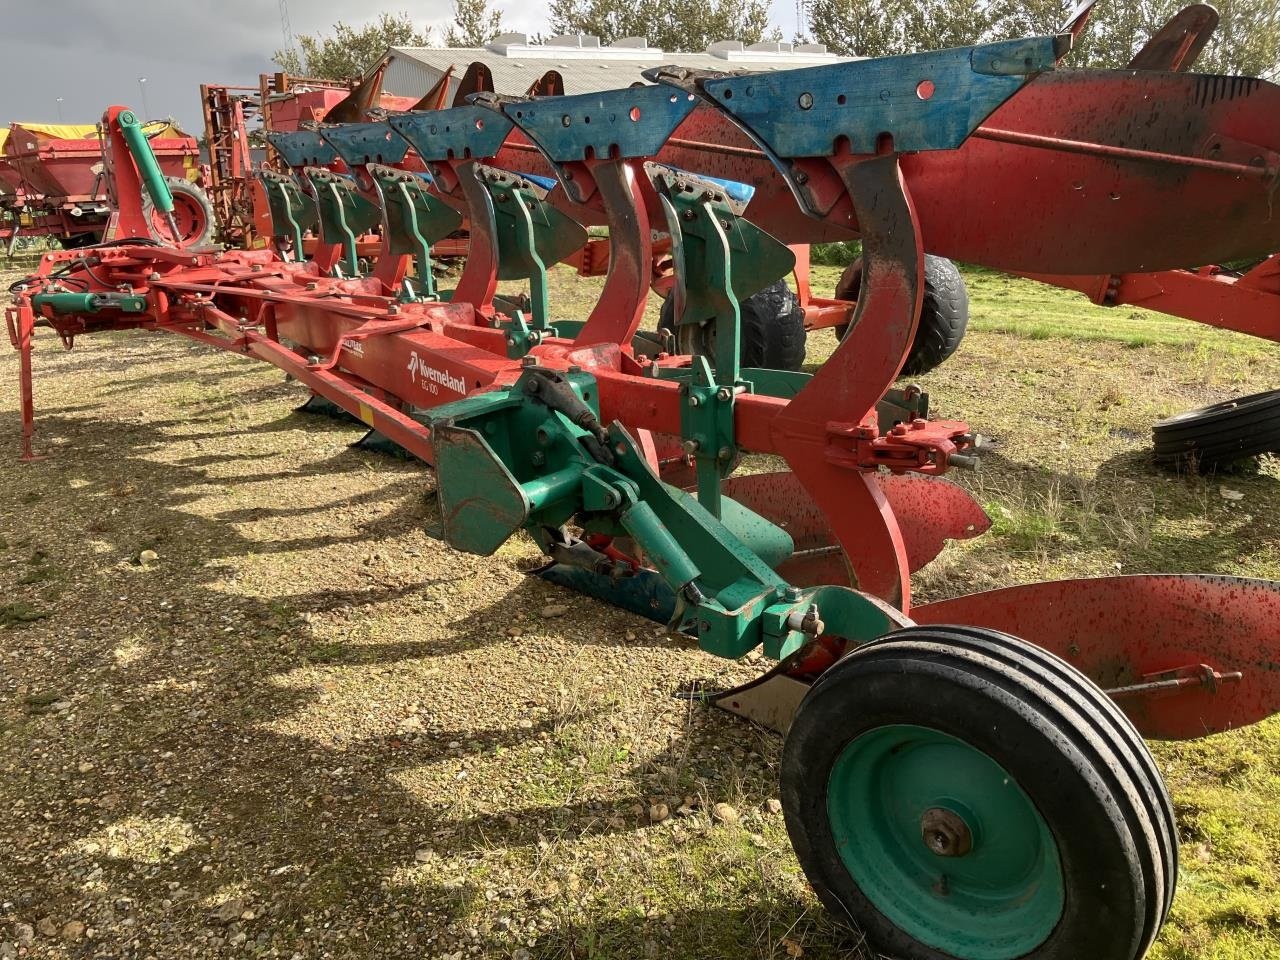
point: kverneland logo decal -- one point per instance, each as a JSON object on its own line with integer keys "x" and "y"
{"x": 432, "y": 379}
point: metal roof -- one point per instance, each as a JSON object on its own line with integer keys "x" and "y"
{"x": 585, "y": 65}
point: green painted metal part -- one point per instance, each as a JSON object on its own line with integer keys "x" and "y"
{"x": 719, "y": 259}
{"x": 1000, "y": 899}
{"x": 343, "y": 214}
{"x": 145, "y": 160}
{"x": 293, "y": 212}
{"x": 532, "y": 236}
{"x": 534, "y": 457}
{"x": 77, "y": 302}
{"x": 413, "y": 220}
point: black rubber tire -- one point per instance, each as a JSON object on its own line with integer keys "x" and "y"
{"x": 1064, "y": 742}
{"x": 944, "y": 316}
{"x": 185, "y": 191}
{"x": 1221, "y": 433}
{"x": 772, "y": 325}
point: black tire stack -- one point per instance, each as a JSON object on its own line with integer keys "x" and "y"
{"x": 1220, "y": 434}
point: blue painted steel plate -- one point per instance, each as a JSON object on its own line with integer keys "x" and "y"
{"x": 632, "y": 122}
{"x": 926, "y": 101}
{"x": 303, "y": 148}
{"x": 468, "y": 132}
{"x": 362, "y": 143}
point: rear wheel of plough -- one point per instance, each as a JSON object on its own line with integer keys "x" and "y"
{"x": 944, "y": 315}
{"x": 772, "y": 325}
{"x": 959, "y": 794}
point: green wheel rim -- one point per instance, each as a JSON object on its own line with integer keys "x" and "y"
{"x": 945, "y": 844}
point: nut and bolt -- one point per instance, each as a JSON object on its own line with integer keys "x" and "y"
{"x": 695, "y": 400}
{"x": 393, "y": 309}
{"x": 945, "y": 833}
{"x": 691, "y": 447}
{"x": 538, "y": 459}
{"x": 724, "y": 454}
{"x": 724, "y": 394}
{"x": 806, "y": 101}
{"x": 529, "y": 362}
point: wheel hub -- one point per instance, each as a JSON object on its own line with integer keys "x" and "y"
{"x": 946, "y": 833}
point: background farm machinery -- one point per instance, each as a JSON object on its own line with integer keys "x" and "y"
{"x": 954, "y": 790}
{"x": 56, "y": 181}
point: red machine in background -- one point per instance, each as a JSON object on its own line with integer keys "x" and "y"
{"x": 52, "y": 180}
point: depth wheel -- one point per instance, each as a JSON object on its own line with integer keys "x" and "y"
{"x": 772, "y": 330}
{"x": 944, "y": 315}
{"x": 959, "y": 794}
{"x": 1222, "y": 433}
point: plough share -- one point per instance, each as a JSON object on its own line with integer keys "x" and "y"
{"x": 964, "y": 779}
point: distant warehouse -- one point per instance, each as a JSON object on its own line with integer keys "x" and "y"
{"x": 582, "y": 62}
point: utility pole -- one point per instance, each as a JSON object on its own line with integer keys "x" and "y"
{"x": 286, "y": 29}
{"x": 60, "y": 109}
{"x": 142, "y": 88}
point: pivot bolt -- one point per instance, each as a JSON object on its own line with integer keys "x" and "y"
{"x": 945, "y": 833}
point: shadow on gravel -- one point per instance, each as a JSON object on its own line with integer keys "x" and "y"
{"x": 176, "y": 681}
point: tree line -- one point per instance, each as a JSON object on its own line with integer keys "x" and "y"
{"x": 1247, "y": 41}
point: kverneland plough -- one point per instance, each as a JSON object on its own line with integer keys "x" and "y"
{"x": 965, "y": 779}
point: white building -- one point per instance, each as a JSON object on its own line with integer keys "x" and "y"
{"x": 582, "y": 62}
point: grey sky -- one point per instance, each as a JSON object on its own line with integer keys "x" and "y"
{"x": 92, "y": 52}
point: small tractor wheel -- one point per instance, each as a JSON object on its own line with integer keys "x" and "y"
{"x": 772, "y": 330}
{"x": 1222, "y": 433}
{"x": 944, "y": 317}
{"x": 191, "y": 210}
{"x": 959, "y": 794}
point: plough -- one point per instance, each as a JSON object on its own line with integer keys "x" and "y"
{"x": 964, "y": 779}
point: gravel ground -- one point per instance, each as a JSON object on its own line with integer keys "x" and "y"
{"x": 249, "y": 708}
